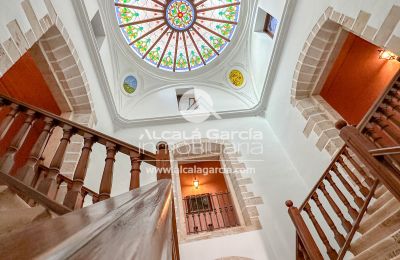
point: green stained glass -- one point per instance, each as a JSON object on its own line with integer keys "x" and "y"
{"x": 167, "y": 27}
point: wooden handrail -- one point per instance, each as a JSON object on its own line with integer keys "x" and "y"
{"x": 101, "y": 138}
{"x": 21, "y": 188}
{"x": 61, "y": 178}
{"x": 303, "y": 232}
{"x": 361, "y": 146}
{"x": 134, "y": 225}
{"x": 385, "y": 151}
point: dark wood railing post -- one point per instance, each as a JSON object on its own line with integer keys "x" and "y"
{"x": 27, "y": 173}
{"x": 48, "y": 185}
{"x": 163, "y": 163}
{"x": 135, "y": 170}
{"x": 7, "y": 161}
{"x": 74, "y": 197}
{"x": 8, "y": 120}
{"x": 304, "y": 234}
{"x": 361, "y": 146}
{"x": 106, "y": 180}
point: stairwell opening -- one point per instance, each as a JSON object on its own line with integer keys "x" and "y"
{"x": 223, "y": 203}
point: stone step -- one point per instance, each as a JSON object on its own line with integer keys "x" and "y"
{"x": 376, "y": 234}
{"x": 10, "y": 201}
{"x": 380, "y": 191}
{"x": 388, "y": 248}
{"x": 16, "y": 218}
{"x": 380, "y": 202}
{"x": 370, "y": 221}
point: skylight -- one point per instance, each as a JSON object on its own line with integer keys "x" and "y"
{"x": 178, "y": 35}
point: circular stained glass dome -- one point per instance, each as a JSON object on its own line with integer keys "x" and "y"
{"x": 178, "y": 35}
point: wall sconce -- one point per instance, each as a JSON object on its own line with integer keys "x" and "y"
{"x": 196, "y": 183}
{"x": 387, "y": 55}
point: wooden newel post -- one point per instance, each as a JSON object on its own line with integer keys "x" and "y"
{"x": 163, "y": 163}
{"x": 303, "y": 233}
{"x": 8, "y": 120}
{"x": 7, "y": 161}
{"x": 27, "y": 173}
{"x": 49, "y": 185}
{"x": 74, "y": 197}
{"x": 135, "y": 170}
{"x": 361, "y": 145}
{"x": 106, "y": 180}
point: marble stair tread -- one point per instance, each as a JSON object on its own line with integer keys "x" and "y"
{"x": 378, "y": 203}
{"x": 376, "y": 234}
{"x": 13, "y": 219}
{"x": 10, "y": 200}
{"x": 388, "y": 248}
{"x": 378, "y": 216}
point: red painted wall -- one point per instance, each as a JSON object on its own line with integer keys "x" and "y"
{"x": 358, "y": 78}
{"x": 211, "y": 183}
{"x": 25, "y": 82}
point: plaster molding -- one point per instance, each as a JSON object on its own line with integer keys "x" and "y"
{"x": 119, "y": 122}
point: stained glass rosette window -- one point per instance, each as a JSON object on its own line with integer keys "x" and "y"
{"x": 178, "y": 35}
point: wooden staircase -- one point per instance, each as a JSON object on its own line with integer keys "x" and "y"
{"x": 353, "y": 212}
{"x": 43, "y": 214}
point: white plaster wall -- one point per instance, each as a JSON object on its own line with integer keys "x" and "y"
{"x": 285, "y": 120}
{"x": 262, "y": 44}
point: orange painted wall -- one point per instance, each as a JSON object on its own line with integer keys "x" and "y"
{"x": 25, "y": 82}
{"x": 211, "y": 183}
{"x": 358, "y": 78}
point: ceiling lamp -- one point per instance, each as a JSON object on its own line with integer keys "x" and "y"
{"x": 177, "y": 35}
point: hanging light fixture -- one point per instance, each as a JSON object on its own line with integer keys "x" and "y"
{"x": 196, "y": 183}
{"x": 387, "y": 55}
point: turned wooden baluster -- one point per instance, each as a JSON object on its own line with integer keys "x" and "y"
{"x": 339, "y": 237}
{"x": 135, "y": 170}
{"x": 74, "y": 197}
{"x": 7, "y": 160}
{"x": 162, "y": 161}
{"x": 393, "y": 101}
{"x": 357, "y": 199}
{"x": 106, "y": 180}
{"x": 8, "y": 120}
{"x": 389, "y": 127}
{"x": 375, "y": 133}
{"x": 367, "y": 178}
{"x": 48, "y": 185}
{"x": 352, "y": 212}
{"x": 364, "y": 191}
{"x": 27, "y": 173}
{"x": 345, "y": 223}
{"x": 329, "y": 249}
{"x": 390, "y": 113}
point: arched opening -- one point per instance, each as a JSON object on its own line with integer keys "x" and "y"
{"x": 358, "y": 78}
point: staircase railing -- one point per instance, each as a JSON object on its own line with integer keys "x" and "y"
{"x": 34, "y": 181}
{"x": 371, "y": 156}
{"x": 348, "y": 198}
{"x": 49, "y": 185}
{"x": 134, "y": 225}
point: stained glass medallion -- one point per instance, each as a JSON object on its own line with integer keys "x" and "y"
{"x": 178, "y": 35}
